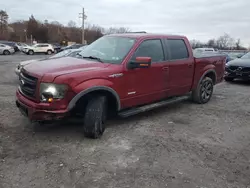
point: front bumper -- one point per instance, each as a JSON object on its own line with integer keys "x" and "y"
{"x": 38, "y": 111}
{"x": 239, "y": 75}
{"x": 12, "y": 50}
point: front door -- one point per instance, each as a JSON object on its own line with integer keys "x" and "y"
{"x": 146, "y": 85}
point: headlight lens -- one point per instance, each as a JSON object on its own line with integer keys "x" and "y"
{"x": 49, "y": 91}
{"x": 19, "y": 67}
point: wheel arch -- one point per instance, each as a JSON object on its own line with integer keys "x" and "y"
{"x": 96, "y": 90}
{"x": 209, "y": 73}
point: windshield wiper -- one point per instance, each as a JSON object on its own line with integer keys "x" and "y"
{"x": 93, "y": 57}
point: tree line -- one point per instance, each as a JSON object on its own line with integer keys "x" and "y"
{"x": 55, "y": 32}
{"x": 52, "y": 32}
{"x": 224, "y": 42}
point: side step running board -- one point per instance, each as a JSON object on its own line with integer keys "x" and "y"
{"x": 148, "y": 107}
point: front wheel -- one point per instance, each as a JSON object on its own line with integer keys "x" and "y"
{"x": 30, "y": 52}
{"x": 95, "y": 117}
{"x": 203, "y": 93}
{"x": 6, "y": 52}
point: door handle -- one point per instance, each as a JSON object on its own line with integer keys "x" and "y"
{"x": 190, "y": 65}
{"x": 165, "y": 68}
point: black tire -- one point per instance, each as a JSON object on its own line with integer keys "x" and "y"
{"x": 31, "y": 52}
{"x": 204, "y": 91}
{"x": 228, "y": 79}
{"x": 49, "y": 52}
{"x": 95, "y": 117}
{"x": 6, "y": 52}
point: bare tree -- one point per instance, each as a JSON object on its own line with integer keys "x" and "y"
{"x": 211, "y": 43}
{"x": 225, "y": 41}
{"x": 237, "y": 44}
{"x": 196, "y": 44}
{"x": 72, "y": 24}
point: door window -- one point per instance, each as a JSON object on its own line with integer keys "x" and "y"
{"x": 177, "y": 49}
{"x": 150, "y": 48}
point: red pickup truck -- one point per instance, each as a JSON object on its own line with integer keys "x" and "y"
{"x": 120, "y": 74}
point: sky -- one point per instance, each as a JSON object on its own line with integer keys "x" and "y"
{"x": 196, "y": 19}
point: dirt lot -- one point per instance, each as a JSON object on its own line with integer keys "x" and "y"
{"x": 183, "y": 145}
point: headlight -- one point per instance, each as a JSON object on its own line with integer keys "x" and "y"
{"x": 19, "y": 67}
{"x": 49, "y": 91}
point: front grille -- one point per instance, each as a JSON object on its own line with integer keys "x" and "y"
{"x": 27, "y": 84}
{"x": 233, "y": 68}
{"x": 239, "y": 69}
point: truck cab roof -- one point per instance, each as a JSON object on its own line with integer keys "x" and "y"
{"x": 145, "y": 35}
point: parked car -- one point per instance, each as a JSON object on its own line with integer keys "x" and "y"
{"x": 73, "y": 46}
{"x": 10, "y": 43}
{"x": 6, "y": 50}
{"x": 71, "y": 53}
{"x": 204, "y": 50}
{"x": 57, "y": 47}
{"x": 235, "y": 55}
{"x": 39, "y": 48}
{"x": 122, "y": 74}
{"x": 21, "y": 46}
{"x": 238, "y": 68}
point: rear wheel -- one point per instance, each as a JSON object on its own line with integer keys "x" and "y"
{"x": 49, "y": 52}
{"x": 95, "y": 117}
{"x": 6, "y": 52}
{"x": 203, "y": 93}
{"x": 30, "y": 52}
{"x": 228, "y": 79}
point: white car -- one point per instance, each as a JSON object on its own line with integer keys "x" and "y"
{"x": 39, "y": 48}
{"x": 6, "y": 50}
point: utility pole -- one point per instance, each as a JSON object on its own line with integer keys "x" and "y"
{"x": 83, "y": 17}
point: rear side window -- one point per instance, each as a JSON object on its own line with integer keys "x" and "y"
{"x": 150, "y": 48}
{"x": 177, "y": 49}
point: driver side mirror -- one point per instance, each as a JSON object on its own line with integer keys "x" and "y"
{"x": 140, "y": 62}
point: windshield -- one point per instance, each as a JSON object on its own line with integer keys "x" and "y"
{"x": 109, "y": 49}
{"x": 246, "y": 56}
{"x": 61, "y": 54}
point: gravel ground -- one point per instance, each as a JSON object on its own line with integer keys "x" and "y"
{"x": 182, "y": 145}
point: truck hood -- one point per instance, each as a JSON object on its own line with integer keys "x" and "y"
{"x": 23, "y": 63}
{"x": 239, "y": 62}
{"x": 60, "y": 66}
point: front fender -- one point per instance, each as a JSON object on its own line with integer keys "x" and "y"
{"x": 93, "y": 85}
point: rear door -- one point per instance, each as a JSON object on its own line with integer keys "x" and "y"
{"x": 38, "y": 48}
{"x": 44, "y": 47}
{"x": 181, "y": 66}
{"x": 145, "y": 85}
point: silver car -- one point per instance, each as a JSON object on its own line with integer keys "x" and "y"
{"x": 6, "y": 50}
